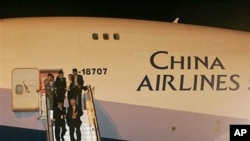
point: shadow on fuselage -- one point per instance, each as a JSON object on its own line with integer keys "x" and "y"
{"x": 107, "y": 127}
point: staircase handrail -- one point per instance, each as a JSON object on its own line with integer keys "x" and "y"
{"x": 95, "y": 121}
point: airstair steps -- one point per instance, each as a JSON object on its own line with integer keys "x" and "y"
{"x": 88, "y": 132}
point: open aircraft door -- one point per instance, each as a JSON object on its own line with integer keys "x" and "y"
{"x": 25, "y": 89}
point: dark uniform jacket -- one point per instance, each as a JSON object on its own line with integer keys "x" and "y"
{"x": 77, "y": 120}
{"x": 59, "y": 115}
{"x": 80, "y": 80}
{"x": 60, "y": 85}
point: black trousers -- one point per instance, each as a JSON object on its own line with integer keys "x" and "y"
{"x": 78, "y": 94}
{"x": 61, "y": 95}
{"x": 59, "y": 128}
{"x": 72, "y": 129}
{"x": 55, "y": 99}
{"x": 71, "y": 94}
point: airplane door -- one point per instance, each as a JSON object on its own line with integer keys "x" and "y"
{"x": 25, "y": 89}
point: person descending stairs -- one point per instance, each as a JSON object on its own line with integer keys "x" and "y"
{"x": 88, "y": 128}
{"x": 88, "y": 131}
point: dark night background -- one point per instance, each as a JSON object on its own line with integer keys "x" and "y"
{"x": 232, "y": 14}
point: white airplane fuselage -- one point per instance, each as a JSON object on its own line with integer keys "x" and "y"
{"x": 153, "y": 80}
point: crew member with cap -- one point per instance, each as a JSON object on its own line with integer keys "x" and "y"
{"x": 60, "y": 86}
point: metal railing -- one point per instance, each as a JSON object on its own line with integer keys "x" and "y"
{"x": 90, "y": 106}
{"x": 50, "y": 133}
{"x": 44, "y": 114}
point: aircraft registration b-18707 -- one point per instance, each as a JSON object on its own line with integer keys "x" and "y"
{"x": 152, "y": 80}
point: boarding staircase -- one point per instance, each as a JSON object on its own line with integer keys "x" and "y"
{"x": 89, "y": 128}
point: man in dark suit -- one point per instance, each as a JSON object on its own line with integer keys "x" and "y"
{"x": 73, "y": 120}
{"x": 59, "y": 119}
{"x": 78, "y": 86}
{"x": 60, "y": 86}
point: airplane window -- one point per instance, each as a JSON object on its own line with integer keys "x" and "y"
{"x": 95, "y": 36}
{"x": 19, "y": 89}
{"x": 105, "y": 36}
{"x": 116, "y": 36}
